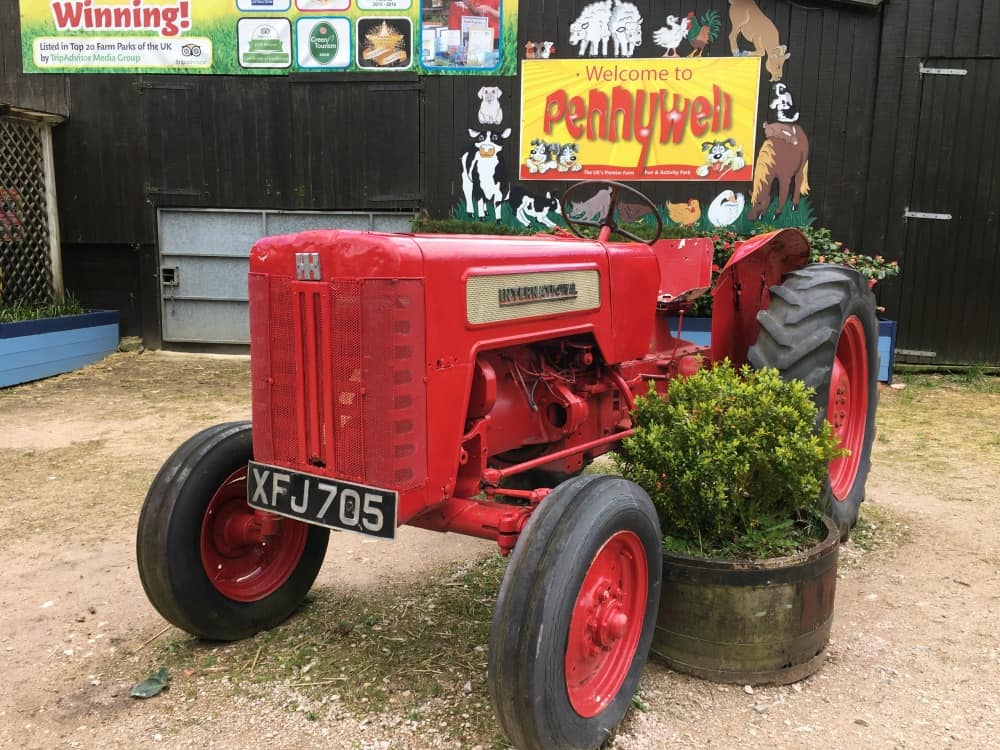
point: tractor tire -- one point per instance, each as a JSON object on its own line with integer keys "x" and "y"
{"x": 820, "y": 328}
{"x": 201, "y": 567}
{"x": 575, "y": 615}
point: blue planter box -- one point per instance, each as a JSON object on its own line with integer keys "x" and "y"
{"x": 699, "y": 331}
{"x": 36, "y": 349}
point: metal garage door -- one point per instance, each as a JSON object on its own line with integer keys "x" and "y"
{"x": 204, "y": 259}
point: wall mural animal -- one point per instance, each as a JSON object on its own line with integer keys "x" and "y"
{"x": 614, "y": 20}
{"x": 783, "y": 158}
{"x": 726, "y": 208}
{"x": 748, "y": 20}
{"x": 704, "y": 31}
{"x": 783, "y": 105}
{"x": 490, "y": 111}
{"x": 528, "y": 207}
{"x": 592, "y": 209}
{"x": 670, "y": 36}
{"x": 626, "y": 29}
{"x": 686, "y": 214}
{"x": 591, "y": 29}
{"x": 484, "y": 173}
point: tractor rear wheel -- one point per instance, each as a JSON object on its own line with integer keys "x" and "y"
{"x": 575, "y": 615}
{"x": 820, "y": 327}
{"x": 203, "y": 561}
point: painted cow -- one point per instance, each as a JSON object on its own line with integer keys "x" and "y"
{"x": 484, "y": 173}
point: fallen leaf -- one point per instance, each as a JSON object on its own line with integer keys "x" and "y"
{"x": 152, "y": 685}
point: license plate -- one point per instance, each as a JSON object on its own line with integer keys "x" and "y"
{"x": 322, "y": 501}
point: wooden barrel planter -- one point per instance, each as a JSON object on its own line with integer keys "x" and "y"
{"x": 748, "y": 622}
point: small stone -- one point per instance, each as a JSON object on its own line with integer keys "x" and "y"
{"x": 761, "y": 708}
{"x": 467, "y": 687}
{"x": 748, "y": 689}
{"x": 861, "y": 723}
{"x": 157, "y": 737}
{"x": 797, "y": 687}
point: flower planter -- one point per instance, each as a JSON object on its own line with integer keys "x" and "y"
{"x": 35, "y": 349}
{"x": 699, "y": 331}
{"x": 748, "y": 622}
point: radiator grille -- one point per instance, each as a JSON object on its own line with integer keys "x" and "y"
{"x": 356, "y": 405}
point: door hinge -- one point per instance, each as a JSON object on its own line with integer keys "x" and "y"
{"x": 925, "y": 71}
{"x": 908, "y": 214}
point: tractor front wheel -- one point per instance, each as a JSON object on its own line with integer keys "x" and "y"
{"x": 820, "y": 327}
{"x": 210, "y": 564}
{"x": 575, "y": 615}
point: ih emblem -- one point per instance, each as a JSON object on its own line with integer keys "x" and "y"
{"x": 307, "y": 266}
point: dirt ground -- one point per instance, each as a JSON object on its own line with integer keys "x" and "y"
{"x": 914, "y": 659}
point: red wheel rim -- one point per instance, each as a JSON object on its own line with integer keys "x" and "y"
{"x": 847, "y": 408}
{"x": 606, "y": 624}
{"x": 240, "y": 562}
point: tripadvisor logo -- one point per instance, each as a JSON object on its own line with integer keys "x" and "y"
{"x": 323, "y": 43}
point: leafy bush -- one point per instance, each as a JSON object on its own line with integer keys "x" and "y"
{"x": 732, "y": 462}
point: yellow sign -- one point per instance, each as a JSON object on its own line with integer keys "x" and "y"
{"x": 654, "y": 119}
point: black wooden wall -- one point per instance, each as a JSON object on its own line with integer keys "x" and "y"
{"x": 49, "y": 94}
{"x": 348, "y": 142}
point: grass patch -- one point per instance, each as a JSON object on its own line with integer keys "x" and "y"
{"x": 938, "y": 436}
{"x": 877, "y": 528}
{"x": 20, "y": 311}
{"x": 407, "y": 651}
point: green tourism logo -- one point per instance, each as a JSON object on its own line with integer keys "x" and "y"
{"x": 323, "y": 43}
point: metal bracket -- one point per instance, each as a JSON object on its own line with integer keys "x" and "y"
{"x": 925, "y": 71}
{"x": 908, "y": 214}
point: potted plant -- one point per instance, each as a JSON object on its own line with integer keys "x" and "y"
{"x": 734, "y": 464}
{"x": 37, "y": 341}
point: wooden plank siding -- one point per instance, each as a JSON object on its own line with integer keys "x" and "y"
{"x": 393, "y": 141}
{"x": 46, "y": 94}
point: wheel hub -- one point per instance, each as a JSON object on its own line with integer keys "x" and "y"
{"x": 847, "y": 406}
{"x": 247, "y": 555}
{"x": 606, "y": 624}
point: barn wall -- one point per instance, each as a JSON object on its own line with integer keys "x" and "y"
{"x": 48, "y": 94}
{"x": 392, "y": 142}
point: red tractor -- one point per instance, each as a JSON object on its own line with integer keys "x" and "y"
{"x": 448, "y": 382}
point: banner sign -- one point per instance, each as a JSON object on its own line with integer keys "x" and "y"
{"x": 269, "y": 37}
{"x": 651, "y": 119}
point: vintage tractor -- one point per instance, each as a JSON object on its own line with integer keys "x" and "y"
{"x": 448, "y": 382}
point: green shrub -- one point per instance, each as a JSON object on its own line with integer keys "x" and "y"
{"x": 732, "y": 462}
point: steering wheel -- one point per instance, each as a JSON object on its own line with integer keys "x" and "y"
{"x": 607, "y": 223}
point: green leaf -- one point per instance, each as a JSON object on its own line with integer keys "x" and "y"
{"x": 152, "y": 685}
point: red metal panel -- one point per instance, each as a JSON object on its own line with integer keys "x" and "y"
{"x": 260, "y": 363}
{"x": 284, "y": 393}
{"x": 345, "y": 366}
{"x": 395, "y": 400}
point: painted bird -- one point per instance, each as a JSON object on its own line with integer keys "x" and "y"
{"x": 671, "y": 35}
{"x": 685, "y": 214}
{"x": 703, "y": 32}
{"x": 726, "y": 208}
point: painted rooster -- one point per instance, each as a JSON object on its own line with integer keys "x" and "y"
{"x": 685, "y": 214}
{"x": 671, "y": 35}
{"x": 703, "y": 31}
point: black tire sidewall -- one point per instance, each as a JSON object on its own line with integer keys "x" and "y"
{"x": 170, "y": 540}
{"x": 815, "y": 364}
{"x": 536, "y": 605}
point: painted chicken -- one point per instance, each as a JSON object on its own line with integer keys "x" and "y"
{"x": 726, "y": 208}
{"x": 671, "y": 35}
{"x": 703, "y": 31}
{"x": 685, "y": 214}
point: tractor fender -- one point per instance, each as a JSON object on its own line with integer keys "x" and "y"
{"x": 743, "y": 289}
